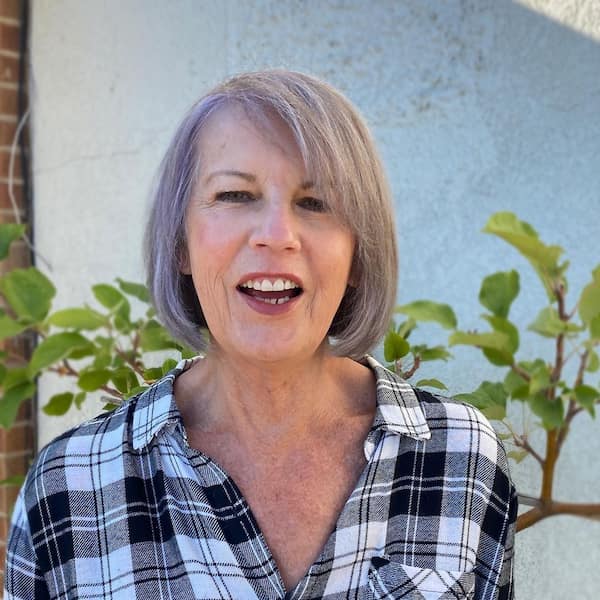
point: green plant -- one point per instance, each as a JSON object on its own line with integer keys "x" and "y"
{"x": 103, "y": 349}
{"x": 543, "y": 386}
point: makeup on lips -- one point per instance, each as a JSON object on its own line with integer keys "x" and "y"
{"x": 270, "y": 291}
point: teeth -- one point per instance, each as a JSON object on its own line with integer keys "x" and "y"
{"x": 275, "y": 300}
{"x": 266, "y": 285}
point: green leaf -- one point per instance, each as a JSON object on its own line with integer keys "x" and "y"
{"x": 426, "y": 353}
{"x": 154, "y": 336}
{"x": 151, "y": 375}
{"x": 490, "y": 398}
{"x": 110, "y": 297}
{"x": 14, "y": 377}
{"x": 135, "y": 390}
{"x": 516, "y": 386}
{"x": 102, "y": 360}
{"x": 11, "y": 400}
{"x": 495, "y": 340}
{"x": 29, "y": 293}
{"x": 137, "y": 290}
{"x": 394, "y": 346}
{"x": 124, "y": 379}
{"x": 9, "y": 232}
{"x": 434, "y": 383}
{"x": 502, "y": 357}
{"x": 405, "y": 328}
{"x": 587, "y": 396}
{"x": 59, "y": 404}
{"x": 517, "y": 455}
{"x": 83, "y": 352}
{"x": 168, "y": 365}
{"x": 589, "y": 301}
{"x": 540, "y": 379}
{"x": 549, "y": 324}
{"x": 3, "y": 371}
{"x": 93, "y": 379}
{"x": 595, "y": 328}
{"x": 8, "y": 327}
{"x": 187, "y": 352}
{"x": 524, "y": 238}
{"x": 498, "y": 292}
{"x": 424, "y": 310}
{"x": 77, "y": 318}
{"x": 78, "y": 399}
{"x": 54, "y": 348}
{"x": 13, "y": 480}
{"x": 593, "y": 362}
{"x": 550, "y": 411}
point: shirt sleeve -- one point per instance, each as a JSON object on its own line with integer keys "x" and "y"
{"x": 494, "y": 569}
{"x": 23, "y": 579}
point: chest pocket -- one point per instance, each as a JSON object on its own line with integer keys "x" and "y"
{"x": 390, "y": 580}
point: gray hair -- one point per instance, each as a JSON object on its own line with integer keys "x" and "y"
{"x": 340, "y": 158}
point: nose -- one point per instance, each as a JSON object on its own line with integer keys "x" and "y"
{"x": 276, "y": 227}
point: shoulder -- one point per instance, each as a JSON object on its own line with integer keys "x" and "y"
{"x": 462, "y": 431}
{"x": 70, "y": 459}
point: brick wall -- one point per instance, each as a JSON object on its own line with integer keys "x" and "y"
{"x": 17, "y": 443}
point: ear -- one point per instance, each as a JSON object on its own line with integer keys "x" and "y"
{"x": 184, "y": 262}
{"x": 353, "y": 276}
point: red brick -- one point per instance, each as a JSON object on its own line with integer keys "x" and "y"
{"x": 14, "y": 464}
{"x": 9, "y": 101}
{"x": 16, "y": 438}
{"x": 8, "y": 495}
{"x": 11, "y": 8}
{"x": 7, "y": 132}
{"x": 6, "y": 208}
{"x": 4, "y": 525}
{"x": 9, "y": 67}
{"x": 9, "y": 37}
{"x": 5, "y": 163}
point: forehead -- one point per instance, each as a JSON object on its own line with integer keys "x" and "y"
{"x": 231, "y": 133}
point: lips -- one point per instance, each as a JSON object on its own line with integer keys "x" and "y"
{"x": 270, "y": 290}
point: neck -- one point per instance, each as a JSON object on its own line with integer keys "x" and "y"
{"x": 278, "y": 402}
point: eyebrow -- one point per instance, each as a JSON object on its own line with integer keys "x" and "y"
{"x": 305, "y": 185}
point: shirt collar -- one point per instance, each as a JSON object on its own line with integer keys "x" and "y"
{"x": 155, "y": 409}
{"x": 398, "y": 410}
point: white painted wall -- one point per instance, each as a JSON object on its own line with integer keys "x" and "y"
{"x": 478, "y": 106}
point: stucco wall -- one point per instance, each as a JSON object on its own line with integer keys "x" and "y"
{"x": 478, "y": 106}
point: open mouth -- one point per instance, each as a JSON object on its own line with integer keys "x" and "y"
{"x": 270, "y": 291}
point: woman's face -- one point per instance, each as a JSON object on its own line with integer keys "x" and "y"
{"x": 269, "y": 260}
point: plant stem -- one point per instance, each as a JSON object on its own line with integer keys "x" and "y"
{"x": 543, "y": 510}
{"x": 552, "y": 450}
{"x": 413, "y": 369}
{"x": 521, "y": 442}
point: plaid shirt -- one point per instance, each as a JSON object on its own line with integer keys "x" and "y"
{"x": 121, "y": 507}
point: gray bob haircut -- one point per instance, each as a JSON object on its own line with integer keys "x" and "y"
{"x": 340, "y": 157}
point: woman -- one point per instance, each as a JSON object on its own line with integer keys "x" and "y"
{"x": 284, "y": 463}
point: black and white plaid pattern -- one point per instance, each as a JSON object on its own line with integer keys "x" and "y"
{"x": 121, "y": 507}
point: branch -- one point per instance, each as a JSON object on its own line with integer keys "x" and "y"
{"x": 132, "y": 363}
{"x": 67, "y": 369}
{"x": 521, "y": 442}
{"x": 413, "y": 369}
{"x": 521, "y": 372}
{"x": 543, "y": 510}
{"x": 549, "y": 464}
{"x": 573, "y": 409}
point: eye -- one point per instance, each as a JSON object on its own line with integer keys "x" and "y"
{"x": 313, "y": 204}
{"x": 236, "y": 197}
